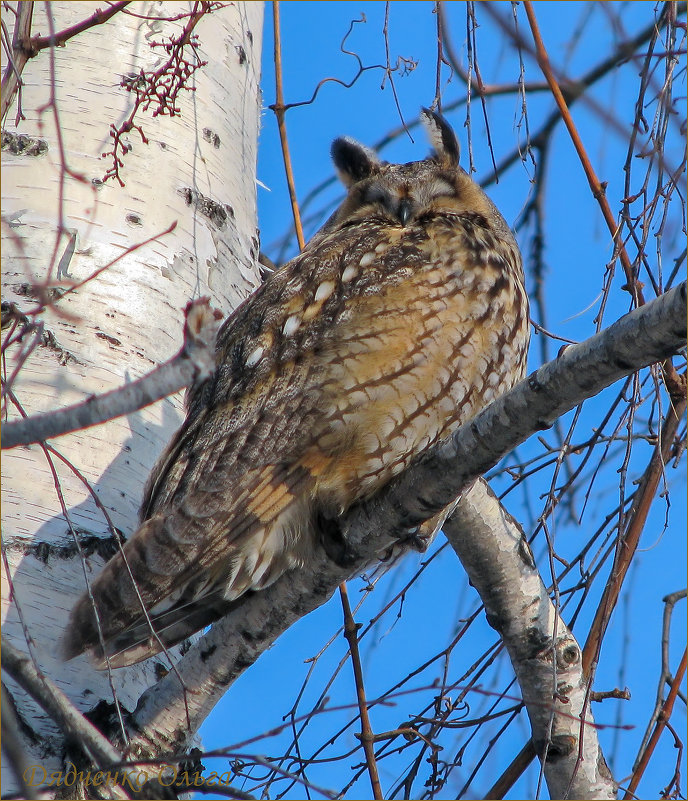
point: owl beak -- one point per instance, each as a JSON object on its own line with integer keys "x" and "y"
{"x": 405, "y": 210}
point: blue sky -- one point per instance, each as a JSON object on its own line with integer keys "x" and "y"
{"x": 576, "y": 251}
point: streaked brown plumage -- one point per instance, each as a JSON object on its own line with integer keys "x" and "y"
{"x": 404, "y": 316}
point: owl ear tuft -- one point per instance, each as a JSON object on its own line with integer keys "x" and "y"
{"x": 442, "y": 138}
{"x": 353, "y": 161}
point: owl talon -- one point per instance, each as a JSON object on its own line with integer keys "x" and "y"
{"x": 334, "y": 542}
{"x": 418, "y": 540}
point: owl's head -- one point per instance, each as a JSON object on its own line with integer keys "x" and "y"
{"x": 404, "y": 194}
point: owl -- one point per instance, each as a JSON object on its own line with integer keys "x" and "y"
{"x": 400, "y": 320}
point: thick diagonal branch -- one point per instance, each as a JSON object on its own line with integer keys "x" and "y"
{"x": 647, "y": 335}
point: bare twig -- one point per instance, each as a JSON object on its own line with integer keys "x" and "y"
{"x": 160, "y": 88}
{"x": 636, "y": 522}
{"x": 12, "y": 746}
{"x": 402, "y": 63}
{"x": 574, "y": 92}
{"x": 598, "y": 190}
{"x": 280, "y": 109}
{"x": 666, "y": 676}
{"x": 23, "y": 670}
{"x": 59, "y": 39}
{"x": 16, "y": 60}
{"x": 389, "y": 70}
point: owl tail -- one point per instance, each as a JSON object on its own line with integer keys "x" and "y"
{"x": 176, "y": 576}
{"x": 165, "y": 630}
{"x": 154, "y": 572}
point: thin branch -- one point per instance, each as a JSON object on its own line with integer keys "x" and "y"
{"x": 280, "y": 110}
{"x": 631, "y": 537}
{"x": 598, "y": 190}
{"x": 662, "y": 722}
{"x": 70, "y": 720}
{"x": 574, "y": 92}
{"x": 16, "y": 60}
{"x": 366, "y": 737}
{"x": 666, "y": 676}
{"x": 389, "y": 70}
{"x": 402, "y": 62}
{"x": 160, "y": 88}
{"x": 636, "y": 521}
{"x": 194, "y": 363}
{"x": 59, "y": 39}
{"x": 12, "y": 745}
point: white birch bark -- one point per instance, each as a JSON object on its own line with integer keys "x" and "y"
{"x": 544, "y": 653}
{"x": 197, "y": 171}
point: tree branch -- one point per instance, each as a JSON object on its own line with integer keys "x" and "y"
{"x": 16, "y": 60}
{"x": 642, "y": 337}
{"x": 630, "y": 538}
{"x": 661, "y": 723}
{"x": 38, "y": 43}
{"x": 636, "y": 519}
{"x": 75, "y": 726}
{"x": 194, "y": 362}
{"x": 366, "y": 736}
{"x": 596, "y": 187}
{"x": 544, "y": 653}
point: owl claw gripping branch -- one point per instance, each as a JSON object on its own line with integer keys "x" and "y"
{"x": 403, "y": 317}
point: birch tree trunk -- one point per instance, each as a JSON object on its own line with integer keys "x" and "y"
{"x": 197, "y": 171}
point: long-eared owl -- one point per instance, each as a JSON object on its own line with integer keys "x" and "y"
{"x": 402, "y": 318}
